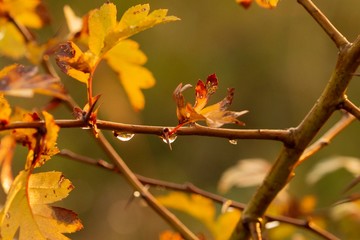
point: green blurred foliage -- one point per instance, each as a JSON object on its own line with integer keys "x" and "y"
{"x": 277, "y": 60}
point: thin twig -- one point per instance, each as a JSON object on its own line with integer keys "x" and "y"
{"x": 339, "y": 40}
{"x": 325, "y": 140}
{"x": 284, "y": 136}
{"x": 146, "y": 195}
{"x": 190, "y": 188}
{"x": 255, "y": 230}
{"x": 351, "y": 108}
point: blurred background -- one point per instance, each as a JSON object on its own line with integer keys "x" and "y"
{"x": 277, "y": 60}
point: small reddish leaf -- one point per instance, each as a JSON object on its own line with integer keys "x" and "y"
{"x": 215, "y": 115}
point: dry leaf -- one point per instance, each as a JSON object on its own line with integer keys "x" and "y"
{"x": 246, "y": 173}
{"x": 18, "y": 80}
{"x": 215, "y": 115}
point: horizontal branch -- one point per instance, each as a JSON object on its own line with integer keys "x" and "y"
{"x": 190, "y": 188}
{"x": 284, "y": 136}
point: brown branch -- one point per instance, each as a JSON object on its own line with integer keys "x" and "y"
{"x": 190, "y": 188}
{"x": 339, "y": 40}
{"x": 145, "y": 194}
{"x": 284, "y": 136}
{"x": 350, "y": 107}
{"x": 325, "y": 140}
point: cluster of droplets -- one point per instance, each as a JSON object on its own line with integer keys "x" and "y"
{"x": 167, "y": 137}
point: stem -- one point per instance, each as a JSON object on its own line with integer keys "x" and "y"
{"x": 351, "y": 108}
{"x": 327, "y": 137}
{"x": 339, "y": 40}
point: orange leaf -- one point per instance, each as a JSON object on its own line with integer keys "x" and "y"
{"x": 170, "y": 235}
{"x": 215, "y": 115}
{"x": 7, "y": 147}
{"x": 262, "y": 3}
{"x": 18, "y": 80}
{"x": 5, "y": 110}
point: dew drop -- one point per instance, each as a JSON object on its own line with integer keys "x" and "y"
{"x": 170, "y": 139}
{"x": 124, "y": 136}
{"x": 137, "y": 194}
{"x": 233, "y": 141}
{"x": 7, "y": 215}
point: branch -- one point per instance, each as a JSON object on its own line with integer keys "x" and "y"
{"x": 282, "y": 171}
{"x": 190, "y": 188}
{"x": 339, "y": 40}
{"x": 327, "y": 137}
{"x": 284, "y": 136}
{"x": 350, "y": 107}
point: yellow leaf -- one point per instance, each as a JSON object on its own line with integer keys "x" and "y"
{"x": 127, "y": 59}
{"x": 74, "y": 62}
{"x": 35, "y": 221}
{"x": 225, "y": 224}
{"x": 105, "y": 32}
{"x": 48, "y": 187}
{"x": 30, "y": 13}
{"x": 10, "y": 36}
{"x": 193, "y": 204}
{"x": 5, "y": 110}
{"x": 101, "y": 22}
{"x": 267, "y": 3}
{"x": 137, "y": 19}
{"x": 203, "y": 209}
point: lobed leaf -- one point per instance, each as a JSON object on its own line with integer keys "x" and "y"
{"x": 215, "y": 115}
{"x": 105, "y": 32}
{"x": 101, "y": 23}
{"x": 48, "y": 187}
{"x": 203, "y": 209}
{"x": 36, "y": 221}
{"x": 127, "y": 59}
